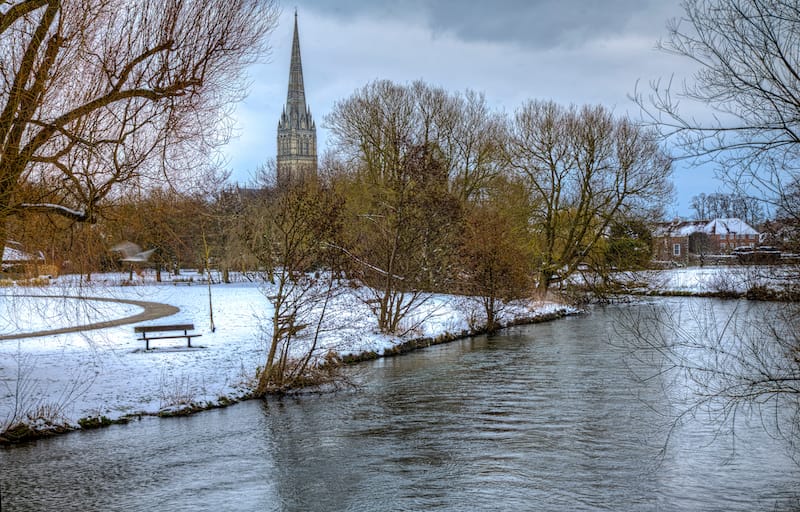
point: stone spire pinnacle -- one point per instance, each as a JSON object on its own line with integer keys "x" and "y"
{"x": 297, "y": 133}
{"x": 296, "y": 95}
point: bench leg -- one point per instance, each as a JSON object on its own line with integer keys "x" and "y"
{"x": 146, "y": 344}
{"x": 188, "y": 339}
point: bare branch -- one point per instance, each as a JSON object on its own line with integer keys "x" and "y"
{"x": 748, "y": 79}
{"x": 97, "y": 95}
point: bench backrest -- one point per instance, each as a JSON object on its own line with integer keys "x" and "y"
{"x": 160, "y": 328}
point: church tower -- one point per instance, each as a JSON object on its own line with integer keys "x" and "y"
{"x": 297, "y": 133}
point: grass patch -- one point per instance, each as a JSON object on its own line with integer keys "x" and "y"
{"x": 94, "y": 422}
{"x": 23, "y": 432}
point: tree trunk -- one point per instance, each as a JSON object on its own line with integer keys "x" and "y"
{"x": 543, "y": 284}
{"x": 3, "y": 233}
{"x": 491, "y": 320}
{"x": 266, "y": 374}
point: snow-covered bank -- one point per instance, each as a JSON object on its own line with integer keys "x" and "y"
{"x": 761, "y": 281}
{"x": 106, "y": 373}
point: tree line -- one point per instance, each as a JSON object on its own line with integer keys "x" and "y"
{"x": 424, "y": 190}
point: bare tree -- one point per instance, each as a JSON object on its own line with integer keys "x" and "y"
{"x": 748, "y": 77}
{"x": 100, "y": 95}
{"x": 303, "y": 220}
{"x": 585, "y": 169}
{"x": 734, "y": 205}
{"x": 470, "y": 137}
{"x": 402, "y": 218}
{"x": 789, "y": 205}
{"x": 169, "y": 223}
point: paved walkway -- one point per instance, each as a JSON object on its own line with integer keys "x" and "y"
{"x": 152, "y": 310}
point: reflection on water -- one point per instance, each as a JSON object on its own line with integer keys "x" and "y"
{"x": 543, "y": 417}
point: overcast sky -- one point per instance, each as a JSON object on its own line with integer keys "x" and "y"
{"x": 569, "y": 51}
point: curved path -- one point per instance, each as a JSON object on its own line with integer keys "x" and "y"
{"x": 152, "y": 310}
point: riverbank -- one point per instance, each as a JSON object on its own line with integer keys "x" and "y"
{"x": 67, "y": 380}
{"x": 752, "y": 282}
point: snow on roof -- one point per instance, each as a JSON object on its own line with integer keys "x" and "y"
{"x": 17, "y": 255}
{"x": 681, "y": 228}
{"x": 729, "y": 226}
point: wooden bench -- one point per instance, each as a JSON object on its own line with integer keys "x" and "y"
{"x": 162, "y": 330}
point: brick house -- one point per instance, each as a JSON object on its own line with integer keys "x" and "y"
{"x": 671, "y": 239}
{"x": 684, "y": 240}
{"x": 728, "y": 234}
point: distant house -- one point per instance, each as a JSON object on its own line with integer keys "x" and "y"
{"x": 728, "y": 234}
{"x": 671, "y": 239}
{"x": 15, "y": 259}
{"x": 683, "y": 240}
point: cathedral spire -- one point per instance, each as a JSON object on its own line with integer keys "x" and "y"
{"x": 297, "y": 133}
{"x": 296, "y": 95}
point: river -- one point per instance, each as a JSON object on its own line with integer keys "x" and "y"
{"x": 540, "y": 417}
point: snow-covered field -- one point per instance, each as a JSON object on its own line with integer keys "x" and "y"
{"x": 736, "y": 279}
{"x": 107, "y": 372}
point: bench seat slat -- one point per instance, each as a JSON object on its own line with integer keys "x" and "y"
{"x": 143, "y": 338}
{"x": 160, "y": 328}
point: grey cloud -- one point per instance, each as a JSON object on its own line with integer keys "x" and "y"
{"x": 537, "y": 24}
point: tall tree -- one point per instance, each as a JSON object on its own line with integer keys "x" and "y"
{"x": 585, "y": 169}
{"x": 401, "y": 215}
{"x": 748, "y": 58}
{"x": 470, "y": 137}
{"x": 168, "y": 223}
{"x": 496, "y": 257}
{"x": 99, "y": 95}
{"x": 789, "y": 205}
{"x": 719, "y": 206}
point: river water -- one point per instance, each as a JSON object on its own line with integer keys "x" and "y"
{"x": 541, "y": 417}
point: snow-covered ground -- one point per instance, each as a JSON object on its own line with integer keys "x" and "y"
{"x": 107, "y": 372}
{"x": 735, "y": 279}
